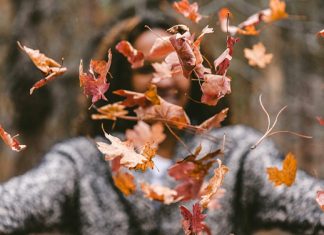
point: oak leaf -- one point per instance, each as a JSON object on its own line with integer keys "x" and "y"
{"x": 214, "y": 184}
{"x": 124, "y": 181}
{"x": 92, "y": 85}
{"x": 288, "y": 173}
{"x": 49, "y": 67}
{"x": 134, "y": 57}
{"x": 11, "y": 142}
{"x": 188, "y": 10}
{"x": 257, "y": 55}
{"x": 159, "y": 193}
{"x": 193, "y": 223}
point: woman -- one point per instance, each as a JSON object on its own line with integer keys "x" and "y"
{"x": 72, "y": 189}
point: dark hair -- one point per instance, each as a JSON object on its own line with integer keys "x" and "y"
{"x": 129, "y": 29}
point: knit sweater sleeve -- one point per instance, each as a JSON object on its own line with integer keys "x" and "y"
{"x": 40, "y": 199}
{"x": 252, "y": 202}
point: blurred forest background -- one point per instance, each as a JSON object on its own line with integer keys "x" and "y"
{"x": 68, "y": 29}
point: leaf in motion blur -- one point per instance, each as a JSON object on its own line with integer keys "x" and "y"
{"x": 321, "y": 33}
{"x": 110, "y": 112}
{"x": 320, "y": 199}
{"x": 188, "y": 10}
{"x": 134, "y": 57}
{"x": 320, "y": 120}
{"x": 288, "y": 173}
{"x": 257, "y": 55}
{"x": 159, "y": 193}
{"x": 124, "y": 181}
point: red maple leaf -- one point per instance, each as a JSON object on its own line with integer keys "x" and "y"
{"x": 92, "y": 86}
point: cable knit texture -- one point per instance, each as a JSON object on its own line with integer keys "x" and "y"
{"x": 72, "y": 191}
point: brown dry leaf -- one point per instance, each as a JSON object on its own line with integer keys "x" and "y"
{"x": 257, "y": 55}
{"x": 214, "y": 121}
{"x": 320, "y": 199}
{"x": 124, "y": 181}
{"x": 142, "y": 133}
{"x": 277, "y": 11}
{"x": 48, "y": 66}
{"x": 110, "y": 112}
{"x": 117, "y": 148}
{"x": 11, "y": 142}
{"x": 288, "y": 173}
{"x": 159, "y": 193}
{"x": 214, "y": 184}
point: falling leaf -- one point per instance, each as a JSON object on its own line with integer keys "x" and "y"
{"x": 320, "y": 199}
{"x": 320, "y": 120}
{"x": 151, "y": 94}
{"x": 124, "y": 181}
{"x": 50, "y": 68}
{"x": 12, "y": 142}
{"x": 214, "y": 203}
{"x": 159, "y": 193}
{"x": 92, "y": 85}
{"x": 191, "y": 173}
{"x": 214, "y": 184}
{"x": 110, "y": 112}
{"x": 321, "y": 33}
{"x": 129, "y": 157}
{"x": 134, "y": 57}
{"x": 277, "y": 11}
{"x": 142, "y": 133}
{"x": 214, "y": 88}
{"x": 162, "y": 71}
{"x": 148, "y": 152}
{"x": 188, "y": 10}
{"x": 193, "y": 223}
{"x": 257, "y": 55}
{"x": 133, "y": 98}
{"x": 160, "y": 48}
{"x": 185, "y": 53}
{"x": 214, "y": 121}
{"x": 288, "y": 173}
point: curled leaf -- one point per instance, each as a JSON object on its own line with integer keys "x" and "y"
{"x": 50, "y": 68}
{"x": 214, "y": 184}
{"x": 214, "y": 121}
{"x": 11, "y": 142}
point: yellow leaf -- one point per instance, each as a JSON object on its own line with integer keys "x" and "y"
{"x": 288, "y": 173}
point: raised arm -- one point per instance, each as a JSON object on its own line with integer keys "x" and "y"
{"x": 41, "y": 198}
{"x": 252, "y": 202}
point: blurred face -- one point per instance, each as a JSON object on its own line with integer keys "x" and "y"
{"x": 173, "y": 90}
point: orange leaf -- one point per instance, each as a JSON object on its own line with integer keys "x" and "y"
{"x": 12, "y": 142}
{"x": 321, "y": 33}
{"x": 110, "y": 112}
{"x": 257, "y": 55}
{"x": 124, "y": 181}
{"x": 48, "y": 66}
{"x": 160, "y": 48}
{"x": 288, "y": 173}
{"x": 214, "y": 184}
{"x": 148, "y": 152}
{"x": 159, "y": 193}
{"x": 134, "y": 57}
{"x": 320, "y": 120}
{"x": 277, "y": 11}
{"x": 151, "y": 94}
{"x": 188, "y": 10}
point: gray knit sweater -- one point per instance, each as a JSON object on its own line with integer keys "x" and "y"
{"x": 72, "y": 191}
